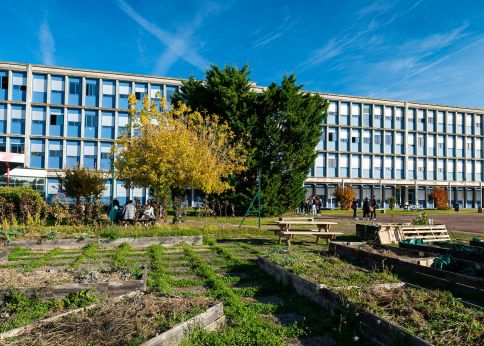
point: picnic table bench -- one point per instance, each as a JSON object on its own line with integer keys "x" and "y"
{"x": 290, "y": 227}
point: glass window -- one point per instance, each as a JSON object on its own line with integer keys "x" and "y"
{"x": 109, "y": 94}
{"x": 107, "y": 123}
{"x": 3, "y": 85}
{"x": 73, "y": 154}
{"x": 140, "y": 92}
{"x": 38, "y": 121}
{"x": 92, "y": 92}
{"x": 123, "y": 120}
{"x": 19, "y": 86}
{"x": 18, "y": 120}
{"x": 154, "y": 91}
{"x": 74, "y": 123}
{"x": 90, "y": 125}
{"x": 57, "y": 90}
{"x": 3, "y": 118}
{"x": 124, "y": 91}
{"x": 39, "y": 89}
{"x": 170, "y": 91}
{"x": 3, "y": 144}
{"x": 106, "y": 156}
{"x": 90, "y": 155}
{"x": 37, "y": 153}
{"x": 75, "y": 91}
{"x": 17, "y": 145}
{"x": 56, "y": 125}
{"x": 55, "y": 154}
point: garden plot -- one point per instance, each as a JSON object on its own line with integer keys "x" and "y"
{"x": 57, "y": 272}
{"x": 462, "y": 278}
{"x": 379, "y": 312}
{"x": 131, "y": 320}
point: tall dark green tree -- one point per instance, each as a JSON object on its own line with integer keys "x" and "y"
{"x": 282, "y": 126}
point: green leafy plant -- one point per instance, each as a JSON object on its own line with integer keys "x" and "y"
{"x": 421, "y": 219}
{"x": 50, "y": 235}
{"x": 392, "y": 202}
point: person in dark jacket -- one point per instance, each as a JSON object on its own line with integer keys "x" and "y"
{"x": 373, "y": 206}
{"x": 366, "y": 209}
{"x": 354, "y": 206}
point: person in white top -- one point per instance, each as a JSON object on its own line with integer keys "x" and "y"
{"x": 148, "y": 213}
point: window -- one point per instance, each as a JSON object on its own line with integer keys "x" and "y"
{"x": 107, "y": 123}
{"x": 108, "y": 94}
{"x": 19, "y": 86}
{"x": 75, "y": 90}
{"x": 38, "y": 121}
{"x": 17, "y": 145}
{"x": 90, "y": 155}
{"x": 3, "y": 144}
{"x": 90, "y": 124}
{"x": 123, "y": 120}
{"x": 124, "y": 91}
{"x": 57, "y": 90}
{"x": 92, "y": 93}
{"x": 37, "y": 153}
{"x": 170, "y": 91}
{"x": 3, "y": 118}
{"x": 18, "y": 120}
{"x": 3, "y": 85}
{"x": 106, "y": 156}
{"x": 39, "y": 89}
{"x": 73, "y": 151}
{"x": 55, "y": 154}
{"x": 56, "y": 125}
{"x": 73, "y": 123}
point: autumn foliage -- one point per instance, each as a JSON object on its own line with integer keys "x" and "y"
{"x": 344, "y": 196}
{"x": 175, "y": 149}
{"x": 439, "y": 195}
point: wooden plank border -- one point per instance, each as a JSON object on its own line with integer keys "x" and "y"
{"x": 77, "y": 244}
{"x": 374, "y": 329}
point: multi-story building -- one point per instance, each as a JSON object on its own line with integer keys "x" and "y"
{"x": 53, "y": 117}
{"x": 402, "y": 149}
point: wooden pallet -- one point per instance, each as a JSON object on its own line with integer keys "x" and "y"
{"x": 396, "y": 233}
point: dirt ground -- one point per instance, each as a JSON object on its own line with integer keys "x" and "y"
{"x": 469, "y": 223}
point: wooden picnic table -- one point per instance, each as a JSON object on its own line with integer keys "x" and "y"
{"x": 285, "y": 225}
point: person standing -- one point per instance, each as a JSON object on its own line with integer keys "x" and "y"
{"x": 114, "y": 213}
{"x": 129, "y": 212}
{"x": 373, "y": 206}
{"x": 366, "y": 209}
{"x": 354, "y": 206}
{"x": 313, "y": 206}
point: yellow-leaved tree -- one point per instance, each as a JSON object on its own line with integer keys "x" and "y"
{"x": 175, "y": 149}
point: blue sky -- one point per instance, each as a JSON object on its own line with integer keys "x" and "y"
{"x": 429, "y": 51}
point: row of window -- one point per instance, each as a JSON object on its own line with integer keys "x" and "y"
{"x": 394, "y": 118}
{"x": 366, "y": 166}
{"x": 395, "y": 142}
{"x": 97, "y": 93}
{"x": 51, "y": 155}
{"x": 63, "y": 122}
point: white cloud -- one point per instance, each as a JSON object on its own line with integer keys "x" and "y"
{"x": 178, "y": 45}
{"x": 47, "y": 43}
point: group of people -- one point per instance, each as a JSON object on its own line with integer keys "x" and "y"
{"x": 311, "y": 205}
{"x": 119, "y": 214}
{"x": 369, "y": 208}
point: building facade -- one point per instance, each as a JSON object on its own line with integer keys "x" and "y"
{"x": 62, "y": 117}
{"x": 402, "y": 149}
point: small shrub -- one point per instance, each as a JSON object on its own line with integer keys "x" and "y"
{"x": 439, "y": 195}
{"x": 344, "y": 196}
{"x": 50, "y": 235}
{"x": 421, "y": 219}
{"x": 392, "y": 202}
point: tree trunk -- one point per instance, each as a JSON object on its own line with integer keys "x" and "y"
{"x": 176, "y": 200}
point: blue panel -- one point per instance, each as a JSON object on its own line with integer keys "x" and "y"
{"x": 74, "y": 129}
{"x": 90, "y": 124}
{"x": 3, "y": 126}
{"x": 107, "y": 132}
{"x": 108, "y": 101}
{"x": 3, "y": 85}
{"x": 17, "y": 126}
{"x": 123, "y": 102}
{"x": 72, "y": 161}
{"x": 319, "y": 171}
{"x": 92, "y": 93}
{"x": 38, "y": 128}
{"x": 36, "y": 161}
{"x": 57, "y": 97}
{"x": 40, "y": 97}
{"x": 56, "y": 127}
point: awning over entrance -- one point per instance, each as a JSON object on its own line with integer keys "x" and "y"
{"x": 10, "y": 161}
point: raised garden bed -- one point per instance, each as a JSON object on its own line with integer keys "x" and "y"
{"x": 467, "y": 287}
{"x": 134, "y": 319}
{"x": 77, "y": 244}
{"x": 416, "y": 314}
{"x": 461, "y": 251}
